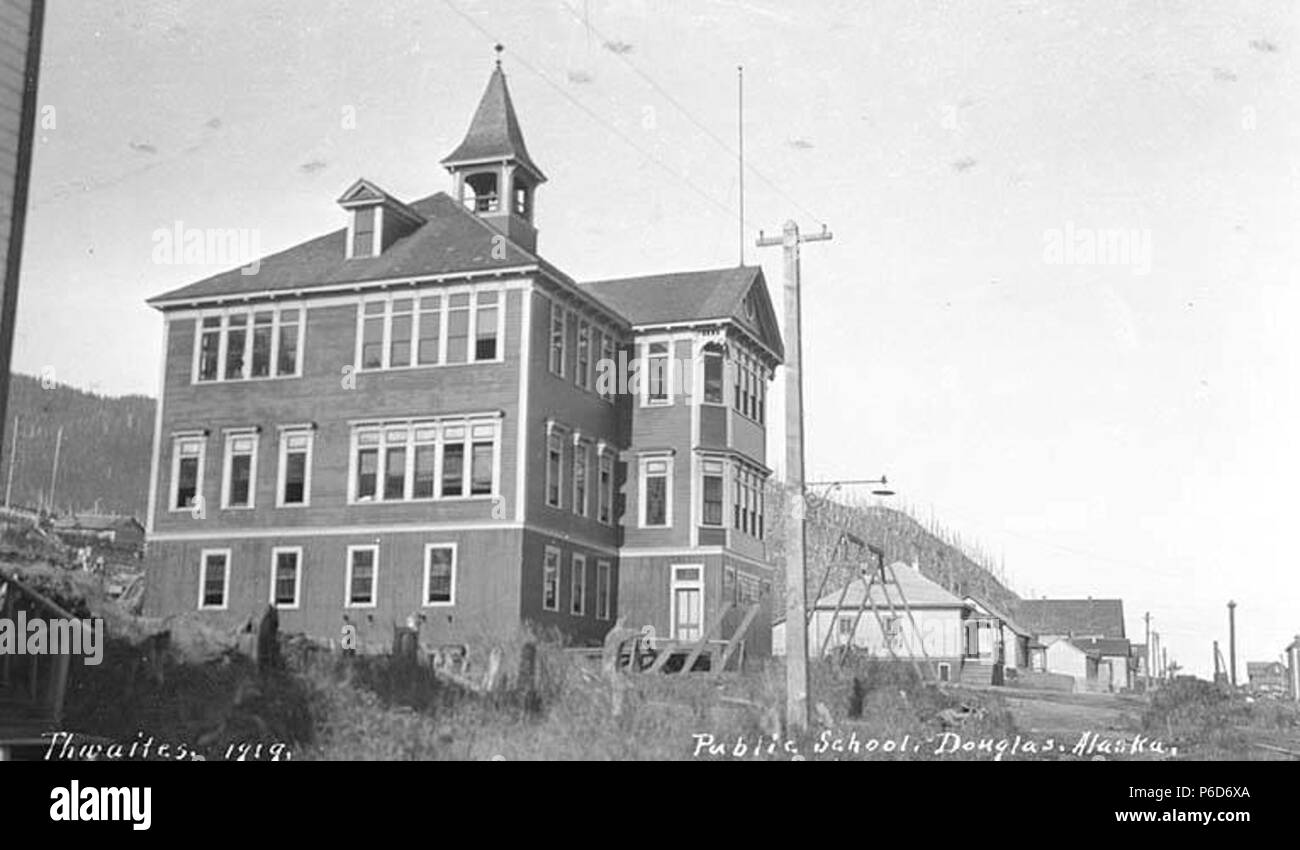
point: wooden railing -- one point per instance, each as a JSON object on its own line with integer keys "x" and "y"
{"x": 39, "y": 681}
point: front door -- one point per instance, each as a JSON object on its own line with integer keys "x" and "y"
{"x": 688, "y": 603}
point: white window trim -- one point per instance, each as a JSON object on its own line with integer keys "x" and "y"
{"x": 455, "y": 558}
{"x": 578, "y": 585}
{"x": 174, "y": 489}
{"x": 581, "y": 374}
{"x": 726, "y": 468}
{"x": 685, "y": 584}
{"x": 642, "y": 476}
{"x": 557, "y": 432}
{"x": 606, "y": 567}
{"x": 297, "y": 577}
{"x": 669, "y": 376}
{"x": 439, "y": 443}
{"x": 546, "y": 560}
{"x": 227, "y": 460}
{"x": 223, "y": 338}
{"x": 606, "y": 493}
{"x": 308, "y": 431}
{"x": 203, "y": 579}
{"x": 374, "y": 580}
{"x": 583, "y": 446}
{"x": 445, "y": 294}
{"x": 564, "y": 338}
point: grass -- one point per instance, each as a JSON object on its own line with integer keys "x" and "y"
{"x": 1213, "y": 722}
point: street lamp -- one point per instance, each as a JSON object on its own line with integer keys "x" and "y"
{"x": 882, "y": 485}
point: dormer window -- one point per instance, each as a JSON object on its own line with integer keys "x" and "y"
{"x": 486, "y": 198}
{"x": 363, "y": 232}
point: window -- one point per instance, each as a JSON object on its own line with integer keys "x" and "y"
{"x": 656, "y": 492}
{"x": 657, "y": 373}
{"x": 401, "y": 331}
{"x": 439, "y": 574}
{"x": 554, "y": 461}
{"x": 188, "y": 455}
{"x": 711, "y": 514}
{"x": 605, "y": 488}
{"x": 713, "y": 377}
{"x": 582, "y": 370}
{"x": 557, "y": 339}
{"x": 748, "y": 500}
{"x": 604, "y": 576}
{"x": 248, "y": 344}
{"x": 286, "y": 576}
{"x": 214, "y": 579}
{"x": 430, "y": 331}
{"x": 401, "y": 327}
{"x": 687, "y": 603}
{"x": 578, "y": 586}
{"x": 581, "y": 449}
{"x": 551, "y": 580}
{"x": 239, "y": 476}
{"x": 845, "y": 626}
{"x": 608, "y": 357}
{"x": 363, "y": 576}
{"x": 294, "y": 485}
{"x": 485, "y": 327}
{"x": 892, "y": 627}
{"x": 750, "y": 388}
{"x": 945, "y": 671}
{"x": 424, "y": 459}
{"x": 363, "y": 232}
{"x": 458, "y": 311}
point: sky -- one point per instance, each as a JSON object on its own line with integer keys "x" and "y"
{"x": 1057, "y": 310}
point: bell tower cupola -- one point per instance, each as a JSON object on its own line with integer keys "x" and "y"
{"x": 495, "y": 177}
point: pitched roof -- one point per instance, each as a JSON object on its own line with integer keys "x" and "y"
{"x": 451, "y": 240}
{"x": 1264, "y": 668}
{"x": 1103, "y": 617}
{"x": 494, "y": 132}
{"x": 994, "y": 612}
{"x": 919, "y": 591}
{"x": 1103, "y": 646}
{"x": 691, "y": 296}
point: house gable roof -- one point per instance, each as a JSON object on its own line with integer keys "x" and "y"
{"x": 981, "y": 605}
{"x": 919, "y": 591}
{"x": 1074, "y": 617}
{"x": 451, "y": 240}
{"x": 720, "y": 294}
{"x": 1103, "y": 646}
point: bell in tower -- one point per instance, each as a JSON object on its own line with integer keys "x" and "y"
{"x": 495, "y": 176}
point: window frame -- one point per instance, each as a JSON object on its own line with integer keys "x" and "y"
{"x": 455, "y": 558}
{"x": 605, "y": 491}
{"x": 551, "y": 571}
{"x": 230, "y": 436}
{"x": 204, "y": 554}
{"x": 373, "y": 548}
{"x": 604, "y": 602}
{"x": 647, "y": 357}
{"x": 282, "y": 467}
{"x": 578, "y": 585}
{"x": 223, "y": 341}
{"x": 643, "y": 475}
{"x": 713, "y": 468}
{"x": 554, "y": 479}
{"x": 581, "y": 455}
{"x": 174, "y": 490}
{"x": 441, "y": 426}
{"x": 560, "y": 353}
{"x": 276, "y": 551}
{"x": 418, "y": 314}
{"x": 582, "y": 354}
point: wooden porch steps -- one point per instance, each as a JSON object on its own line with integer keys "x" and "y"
{"x": 976, "y": 673}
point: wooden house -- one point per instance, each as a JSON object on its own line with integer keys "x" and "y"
{"x": 417, "y": 418}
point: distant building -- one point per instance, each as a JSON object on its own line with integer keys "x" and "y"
{"x": 1083, "y": 638}
{"x": 930, "y": 625}
{"x": 121, "y": 532}
{"x": 1270, "y": 676}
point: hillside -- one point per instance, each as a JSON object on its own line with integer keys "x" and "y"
{"x": 104, "y": 458}
{"x": 943, "y": 558}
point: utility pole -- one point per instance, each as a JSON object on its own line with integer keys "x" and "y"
{"x": 54, "y": 470}
{"x": 1216, "y": 662}
{"x": 796, "y": 628}
{"x": 1164, "y": 663}
{"x": 13, "y": 459}
{"x": 1147, "y": 617}
{"x": 1232, "y": 642}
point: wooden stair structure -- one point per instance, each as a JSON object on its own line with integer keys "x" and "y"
{"x": 32, "y": 687}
